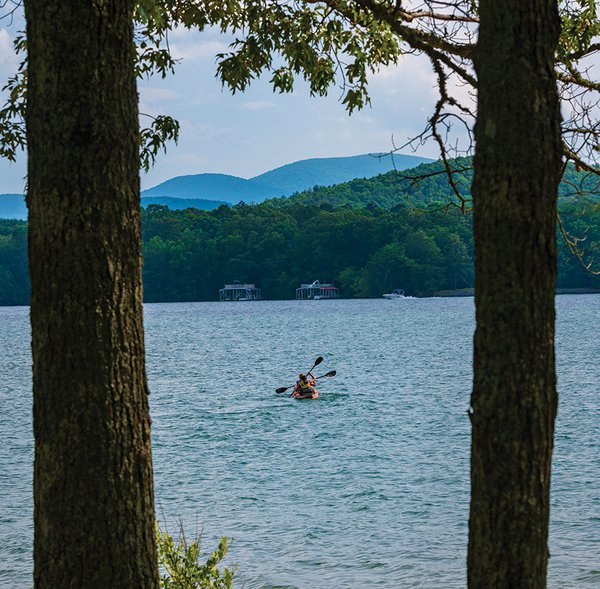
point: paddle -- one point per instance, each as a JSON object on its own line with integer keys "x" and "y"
{"x": 317, "y": 362}
{"x": 328, "y": 375}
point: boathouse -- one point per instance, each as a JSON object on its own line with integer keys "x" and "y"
{"x": 316, "y": 290}
{"x": 239, "y": 292}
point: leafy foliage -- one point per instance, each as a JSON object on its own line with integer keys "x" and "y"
{"x": 580, "y": 26}
{"x": 182, "y": 566}
{"x": 12, "y": 121}
{"x": 152, "y": 58}
{"x": 313, "y": 41}
{"x": 287, "y": 40}
{"x": 154, "y": 139}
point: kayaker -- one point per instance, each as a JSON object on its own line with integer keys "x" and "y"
{"x": 304, "y": 385}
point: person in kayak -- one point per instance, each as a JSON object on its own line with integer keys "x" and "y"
{"x": 304, "y": 385}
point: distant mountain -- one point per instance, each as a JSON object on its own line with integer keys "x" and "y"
{"x": 176, "y": 204}
{"x": 213, "y": 187}
{"x": 284, "y": 180}
{"x": 421, "y": 185}
{"x": 209, "y": 191}
{"x": 12, "y": 206}
{"x": 306, "y": 174}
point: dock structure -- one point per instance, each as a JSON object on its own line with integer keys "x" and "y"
{"x": 239, "y": 292}
{"x": 316, "y": 291}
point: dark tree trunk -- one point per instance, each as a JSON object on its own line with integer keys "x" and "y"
{"x": 517, "y": 169}
{"x": 94, "y": 505}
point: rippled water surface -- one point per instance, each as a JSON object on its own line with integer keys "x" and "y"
{"x": 366, "y": 487}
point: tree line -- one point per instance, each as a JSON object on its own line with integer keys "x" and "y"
{"x": 366, "y": 251}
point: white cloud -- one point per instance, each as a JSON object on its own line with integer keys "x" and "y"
{"x": 411, "y": 76}
{"x": 258, "y": 105}
{"x": 190, "y": 45}
{"x": 191, "y": 49}
{"x": 204, "y": 99}
{"x": 365, "y": 119}
{"x": 151, "y": 95}
{"x": 8, "y": 58}
{"x": 207, "y": 133}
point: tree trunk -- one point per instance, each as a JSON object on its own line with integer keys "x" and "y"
{"x": 517, "y": 169}
{"x": 94, "y": 505}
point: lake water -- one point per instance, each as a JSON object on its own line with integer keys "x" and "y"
{"x": 367, "y": 487}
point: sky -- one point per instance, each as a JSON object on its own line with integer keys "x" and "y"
{"x": 250, "y": 133}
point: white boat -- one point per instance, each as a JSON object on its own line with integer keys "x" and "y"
{"x": 397, "y": 293}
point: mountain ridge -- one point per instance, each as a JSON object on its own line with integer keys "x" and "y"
{"x": 209, "y": 186}
{"x": 283, "y": 180}
{"x": 421, "y": 185}
{"x": 210, "y": 190}
{"x": 300, "y": 175}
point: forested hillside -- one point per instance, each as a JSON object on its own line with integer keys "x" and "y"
{"x": 189, "y": 254}
{"x": 424, "y": 185}
{"x": 14, "y": 277}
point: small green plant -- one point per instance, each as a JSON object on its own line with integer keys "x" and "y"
{"x": 181, "y": 564}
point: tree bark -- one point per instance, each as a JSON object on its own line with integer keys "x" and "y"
{"x": 93, "y": 494}
{"x": 514, "y": 400}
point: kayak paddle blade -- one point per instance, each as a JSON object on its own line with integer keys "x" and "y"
{"x": 281, "y": 389}
{"x": 331, "y": 373}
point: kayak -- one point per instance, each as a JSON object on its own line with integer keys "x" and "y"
{"x": 315, "y": 395}
{"x": 310, "y": 382}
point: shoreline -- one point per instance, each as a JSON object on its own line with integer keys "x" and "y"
{"x": 470, "y": 292}
{"x": 461, "y": 292}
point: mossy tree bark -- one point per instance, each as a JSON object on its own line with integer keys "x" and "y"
{"x": 514, "y": 401}
{"x": 94, "y": 505}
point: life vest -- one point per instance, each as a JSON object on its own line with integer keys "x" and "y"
{"x": 303, "y": 386}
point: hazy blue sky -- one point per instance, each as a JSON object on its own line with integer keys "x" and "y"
{"x": 250, "y": 133}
